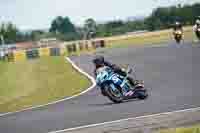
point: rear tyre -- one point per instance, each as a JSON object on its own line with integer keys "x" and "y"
{"x": 113, "y": 96}
{"x": 142, "y": 94}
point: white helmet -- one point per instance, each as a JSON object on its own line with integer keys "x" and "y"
{"x": 198, "y": 21}
{"x": 177, "y": 23}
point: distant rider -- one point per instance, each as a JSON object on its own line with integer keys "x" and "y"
{"x": 197, "y": 23}
{"x": 177, "y": 26}
{"x": 196, "y": 26}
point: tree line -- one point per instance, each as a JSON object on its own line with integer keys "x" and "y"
{"x": 63, "y": 29}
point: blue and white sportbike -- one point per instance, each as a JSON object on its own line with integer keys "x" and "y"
{"x": 116, "y": 87}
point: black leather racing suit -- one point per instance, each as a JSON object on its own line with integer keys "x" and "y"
{"x": 178, "y": 27}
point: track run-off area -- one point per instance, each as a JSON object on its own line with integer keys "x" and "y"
{"x": 172, "y": 71}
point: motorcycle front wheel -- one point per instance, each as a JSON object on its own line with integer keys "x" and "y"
{"x": 178, "y": 39}
{"x": 114, "y": 96}
{"x": 198, "y": 35}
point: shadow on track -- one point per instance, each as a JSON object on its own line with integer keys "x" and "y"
{"x": 111, "y": 103}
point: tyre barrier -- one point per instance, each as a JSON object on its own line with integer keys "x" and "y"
{"x": 67, "y": 50}
{"x": 63, "y": 52}
{"x": 44, "y": 52}
{"x": 10, "y": 57}
{"x": 32, "y": 54}
{"x": 7, "y": 57}
{"x": 81, "y": 46}
{"x": 70, "y": 49}
{"x": 74, "y": 49}
{"x": 55, "y": 52}
{"x": 94, "y": 45}
{"x": 19, "y": 55}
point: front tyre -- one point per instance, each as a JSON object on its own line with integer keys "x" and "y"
{"x": 178, "y": 39}
{"x": 114, "y": 96}
{"x": 198, "y": 35}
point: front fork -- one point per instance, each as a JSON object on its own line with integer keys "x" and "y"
{"x": 124, "y": 86}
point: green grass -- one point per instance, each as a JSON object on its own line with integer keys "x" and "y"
{"x": 28, "y": 83}
{"x": 149, "y": 38}
{"x": 192, "y": 129}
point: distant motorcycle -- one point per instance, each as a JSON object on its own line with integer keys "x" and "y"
{"x": 115, "y": 86}
{"x": 178, "y": 35}
{"x": 198, "y": 32}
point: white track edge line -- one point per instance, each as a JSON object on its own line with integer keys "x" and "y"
{"x": 127, "y": 119}
{"x": 83, "y": 92}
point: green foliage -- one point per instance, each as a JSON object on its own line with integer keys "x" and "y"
{"x": 111, "y": 28}
{"x": 9, "y": 32}
{"x": 90, "y": 28}
{"x": 62, "y": 28}
{"x": 90, "y": 25}
{"x": 68, "y": 36}
{"x": 163, "y": 18}
{"x": 36, "y": 35}
{"x": 62, "y": 25}
{"x": 12, "y": 34}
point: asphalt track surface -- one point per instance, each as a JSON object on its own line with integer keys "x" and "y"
{"x": 172, "y": 72}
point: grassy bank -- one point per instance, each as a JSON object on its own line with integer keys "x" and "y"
{"x": 192, "y": 129}
{"x": 35, "y": 82}
{"x": 149, "y": 38}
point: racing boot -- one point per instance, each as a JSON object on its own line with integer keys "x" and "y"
{"x": 138, "y": 84}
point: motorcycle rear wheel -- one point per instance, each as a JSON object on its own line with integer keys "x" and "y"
{"x": 142, "y": 94}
